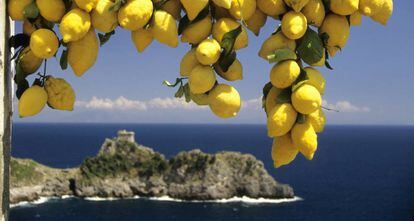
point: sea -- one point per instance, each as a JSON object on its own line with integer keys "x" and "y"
{"x": 358, "y": 173}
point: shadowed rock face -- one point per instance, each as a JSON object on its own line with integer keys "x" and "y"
{"x": 125, "y": 169}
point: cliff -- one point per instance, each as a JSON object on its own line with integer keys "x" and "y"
{"x": 124, "y": 168}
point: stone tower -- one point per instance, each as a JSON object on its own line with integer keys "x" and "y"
{"x": 124, "y": 135}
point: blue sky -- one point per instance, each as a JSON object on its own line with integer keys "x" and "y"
{"x": 371, "y": 83}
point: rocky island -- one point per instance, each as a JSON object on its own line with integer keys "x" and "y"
{"x": 125, "y": 169}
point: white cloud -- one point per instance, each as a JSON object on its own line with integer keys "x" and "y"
{"x": 255, "y": 104}
{"x": 345, "y": 106}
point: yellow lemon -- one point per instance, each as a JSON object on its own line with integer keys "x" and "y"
{"x": 318, "y": 120}
{"x": 224, "y": 101}
{"x": 283, "y": 74}
{"x": 344, "y": 7}
{"x": 337, "y": 27}
{"x": 28, "y": 62}
{"x": 297, "y": 5}
{"x": 173, "y": 7}
{"x": 44, "y": 43}
{"x": 225, "y": 25}
{"x": 208, "y": 52}
{"x": 188, "y": 63}
{"x": 294, "y": 25}
{"x": 283, "y": 151}
{"x": 305, "y": 139}
{"x": 202, "y": 79}
{"x": 87, "y": 5}
{"x": 82, "y": 54}
{"x": 242, "y": 9}
{"x": 234, "y": 73}
{"x": 198, "y": 31}
{"x": 142, "y": 38}
{"x": 164, "y": 28}
{"x": 193, "y": 7}
{"x": 356, "y": 18}
{"x": 135, "y": 14}
{"x": 223, "y": 3}
{"x": 314, "y": 12}
{"x": 256, "y": 22}
{"x": 60, "y": 94}
{"x": 271, "y": 99}
{"x": 384, "y": 13}
{"x": 32, "y": 101}
{"x": 51, "y": 10}
{"x": 74, "y": 25}
{"x": 306, "y": 99}
{"x": 370, "y": 7}
{"x": 281, "y": 120}
{"x": 272, "y": 7}
{"x": 15, "y": 9}
{"x": 316, "y": 79}
{"x": 274, "y": 42}
{"x": 200, "y": 99}
{"x": 102, "y": 18}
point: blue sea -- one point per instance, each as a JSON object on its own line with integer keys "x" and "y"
{"x": 359, "y": 172}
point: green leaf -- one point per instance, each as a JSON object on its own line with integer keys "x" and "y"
{"x": 180, "y": 92}
{"x": 177, "y": 81}
{"x": 228, "y": 40}
{"x": 19, "y": 40}
{"x": 68, "y": 4}
{"x": 324, "y": 37}
{"x": 64, "y": 60}
{"x": 187, "y": 93}
{"x": 285, "y": 96}
{"x": 282, "y": 55}
{"x": 103, "y": 38}
{"x": 279, "y": 29}
{"x": 21, "y": 88}
{"x": 118, "y": 4}
{"x": 327, "y": 4}
{"x": 266, "y": 90}
{"x": 301, "y": 80}
{"x": 226, "y": 61}
{"x": 301, "y": 119}
{"x": 31, "y": 10}
{"x": 19, "y": 75}
{"x": 185, "y": 21}
{"x": 310, "y": 47}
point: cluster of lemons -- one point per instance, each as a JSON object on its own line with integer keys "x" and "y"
{"x": 310, "y": 32}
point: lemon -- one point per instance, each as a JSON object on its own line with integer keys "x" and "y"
{"x": 28, "y": 62}
{"x": 224, "y": 101}
{"x": 188, "y": 63}
{"x": 294, "y": 25}
{"x": 51, "y": 10}
{"x": 321, "y": 62}
{"x": 198, "y": 31}
{"x": 135, "y": 14}
{"x": 82, "y": 54}
{"x": 384, "y": 13}
{"x": 200, "y": 99}
{"x": 60, "y": 94}
{"x": 305, "y": 139}
{"x": 297, "y": 5}
{"x": 44, "y": 43}
{"x": 283, "y": 74}
{"x": 281, "y": 120}
{"x": 283, "y": 151}
{"x": 208, "y": 52}
{"x": 173, "y": 7}
{"x": 314, "y": 12}
{"x": 306, "y": 99}
{"x": 142, "y": 38}
{"x": 102, "y": 18}
{"x": 256, "y": 22}
{"x": 242, "y": 9}
{"x": 271, "y": 99}
{"x": 234, "y": 73}
{"x": 15, "y": 9}
{"x": 274, "y": 42}
{"x": 201, "y": 79}
{"x": 87, "y": 5}
{"x": 356, "y": 18}
{"x": 193, "y": 7}
{"x": 223, "y": 3}
{"x": 370, "y": 7}
{"x": 344, "y": 7}
{"x": 74, "y": 25}
{"x": 318, "y": 120}
{"x": 316, "y": 79}
{"x": 32, "y": 101}
{"x": 337, "y": 27}
{"x": 272, "y": 7}
{"x": 225, "y": 25}
{"x": 164, "y": 28}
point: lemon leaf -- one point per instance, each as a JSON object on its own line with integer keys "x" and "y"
{"x": 31, "y": 10}
{"x": 266, "y": 90}
{"x": 19, "y": 40}
{"x": 177, "y": 81}
{"x": 301, "y": 80}
{"x": 68, "y": 4}
{"x": 226, "y": 61}
{"x": 228, "y": 40}
{"x": 282, "y": 55}
{"x": 310, "y": 47}
{"x": 301, "y": 119}
{"x": 21, "y": 88}
{"x": 187, "y": 94}
{"x": 180, "y": 92}
{"x": 327, "y": 4}
{"x": 103, "y": 38}
{"x": 64, "y": 60}
{"x": 285, "y": 96}
{"x": 118, "y": 4}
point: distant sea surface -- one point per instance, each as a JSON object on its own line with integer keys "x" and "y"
{"x": 359, "y": 172}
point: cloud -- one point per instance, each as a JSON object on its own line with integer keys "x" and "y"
{"x": 254, "y": 104}
{"x": 345, "y": 106}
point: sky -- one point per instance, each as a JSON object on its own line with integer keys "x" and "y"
{"x": 371, "y": 83}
